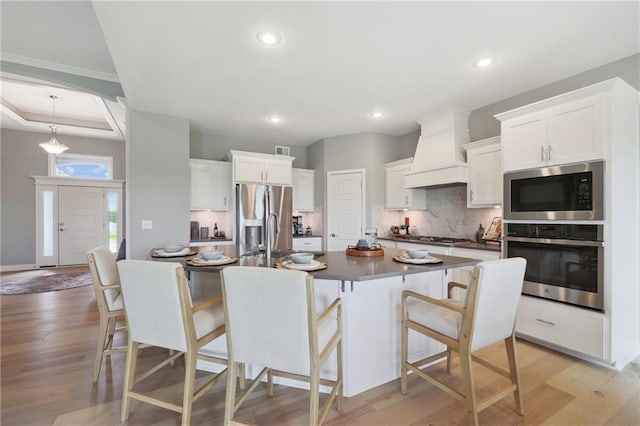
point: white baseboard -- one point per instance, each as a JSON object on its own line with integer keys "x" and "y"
{"x": 5, "y": 268}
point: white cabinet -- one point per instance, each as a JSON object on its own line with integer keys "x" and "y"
{"x": 558, "y": 132}
{"x": 251, "y": 167}
{"x": 596, "y": 122}
{"x": 485, "y": 173}
{"x": 396, "y": 196}
{"x": 307, "y": 243}
{"x": 304, "y": 190}
{"x": 210, "y": 184}
{"x": 572, "y": 328}
{"x": 463, "y": 275}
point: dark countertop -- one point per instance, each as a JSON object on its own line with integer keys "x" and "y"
{"x": 307, "y": 236}
{"x": 211, "y": 240}
{"x": 340, "y": 266}
{"x": 490, "y": 246}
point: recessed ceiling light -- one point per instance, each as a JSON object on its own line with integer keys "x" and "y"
{"x": 274, "y": 119}
{"x": 269, "y": 38}
{"x": 484, "y": 62}
{"x": 376, "y": 114}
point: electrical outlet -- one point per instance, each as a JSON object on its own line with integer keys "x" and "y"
{"x": 147, "y": 224}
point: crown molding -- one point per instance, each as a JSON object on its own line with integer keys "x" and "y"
{"x": 54, "y": 66}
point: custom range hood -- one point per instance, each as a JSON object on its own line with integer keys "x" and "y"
{"x": 439, "y": 159}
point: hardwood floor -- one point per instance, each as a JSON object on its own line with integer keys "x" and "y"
{"x": 48, "y": 348}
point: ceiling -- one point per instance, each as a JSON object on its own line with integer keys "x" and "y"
{"x": 338, "y": 61}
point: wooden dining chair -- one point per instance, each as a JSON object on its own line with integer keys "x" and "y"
{"x": 106, "y": 286}
{"x": 160, "y": 313}
{"x": 271, "y": 322}
{"x": 486, "y": 316}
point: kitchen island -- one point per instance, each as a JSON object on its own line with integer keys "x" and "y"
{"x": 370, "y": 289}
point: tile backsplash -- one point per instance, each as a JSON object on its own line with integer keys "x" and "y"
{"x": 446, "y": 215}
{"x": 210, "y": 218}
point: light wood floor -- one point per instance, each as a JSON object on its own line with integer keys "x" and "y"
{"x": 48, "y": 348}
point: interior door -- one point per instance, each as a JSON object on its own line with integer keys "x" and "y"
{"x": 345, "y": 212}
{"x": 80, "y": 223}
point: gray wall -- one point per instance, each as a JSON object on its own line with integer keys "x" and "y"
{"x": 367, "y": 151}
{"x": 407, "y": 145}
{"x": 209, "y": 145}
{"x": 157, "y": 181}
{"x": 21, "y": 158}
{"x": 483, "y": 125}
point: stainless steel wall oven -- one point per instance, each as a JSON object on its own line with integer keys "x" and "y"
{"x": 565, "y": 262}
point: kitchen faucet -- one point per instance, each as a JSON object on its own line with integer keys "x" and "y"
{"x": 271, "y": 233}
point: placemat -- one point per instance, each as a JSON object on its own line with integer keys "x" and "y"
{"x": 198, "y": 262}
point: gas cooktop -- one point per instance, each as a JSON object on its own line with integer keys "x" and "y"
{"x": 444, "y": 240}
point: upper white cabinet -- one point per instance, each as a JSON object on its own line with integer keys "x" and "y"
{"x": 210, "y": 184}
{"x": 303, "y": 190}
{"x": 252, "y": 167}
{"x": 484, "y": 158}
{"x": 396, "y": 196}
{"x": 564, "y": 129}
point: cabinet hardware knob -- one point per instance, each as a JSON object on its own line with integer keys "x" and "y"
{"x": 471, "y": 195}
{"x": 549, "y": 152}
{"x": 333, "y": 235}
{"x": 542, "y": 153}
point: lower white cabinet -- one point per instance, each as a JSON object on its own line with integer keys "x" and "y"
{"x": 431, "y": 248}
{"x": 463, "y": 275}
{"x": 576, "y": 329}
{"x": 308, "y": 243}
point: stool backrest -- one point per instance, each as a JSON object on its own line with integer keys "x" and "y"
{"x": 494, "y": 294}
{"x": 155, "y": 297}
{"x": 267, "y": 314}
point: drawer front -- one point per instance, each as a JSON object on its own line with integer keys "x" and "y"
{"x": 311, "y": 244}
{"x": 573, "y": 328}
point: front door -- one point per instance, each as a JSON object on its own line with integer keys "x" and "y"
{"x": 80, "y": 223}
{"x": 345, "y": 211}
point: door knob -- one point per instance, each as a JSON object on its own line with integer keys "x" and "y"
{"x": 333, "y": 235}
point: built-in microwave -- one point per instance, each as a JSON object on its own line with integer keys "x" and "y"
{"x": 568, "y": 192}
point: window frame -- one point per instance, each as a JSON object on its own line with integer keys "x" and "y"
{"x": 104, "y": 158}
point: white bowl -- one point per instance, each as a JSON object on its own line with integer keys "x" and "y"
{"x": 211, "y": 254}
{"x": 173, "y": 248}
{"x": 301, "y": 258}
{"x": 417, "y": 253}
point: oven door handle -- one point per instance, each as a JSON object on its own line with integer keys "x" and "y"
{"x": 557, "y": 242}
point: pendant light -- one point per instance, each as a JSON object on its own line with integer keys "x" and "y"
{"x": 53, "y": 146}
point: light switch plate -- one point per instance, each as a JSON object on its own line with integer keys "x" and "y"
{"x": 147, "y": 224}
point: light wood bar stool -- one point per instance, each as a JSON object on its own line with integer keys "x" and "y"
{"x": 487, "y": 316}
{"x": 106, "y": 286}
{"x": 271, "y": 322}
{"x": 160, "y": 313}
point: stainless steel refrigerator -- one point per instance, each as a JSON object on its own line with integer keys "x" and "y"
{"x": 255, "y": 204}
